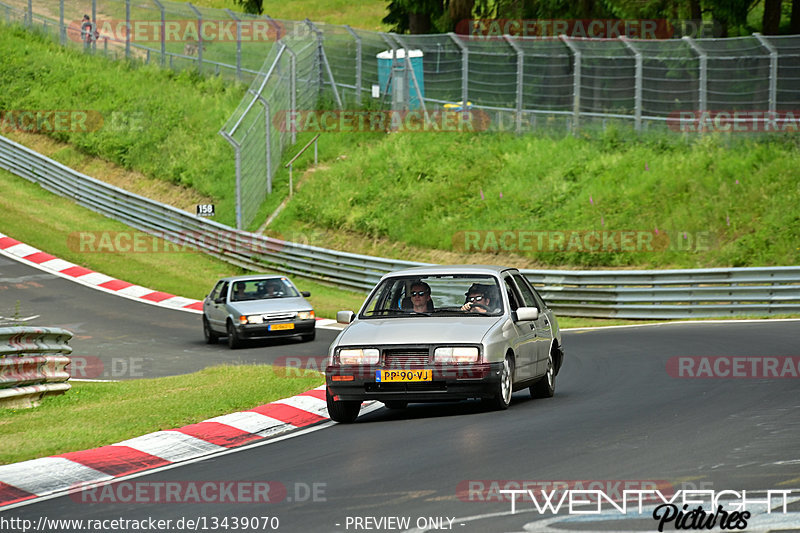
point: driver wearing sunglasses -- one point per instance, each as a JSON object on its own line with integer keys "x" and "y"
{"x": 420, "y": 297}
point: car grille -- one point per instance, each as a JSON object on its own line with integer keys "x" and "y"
{"x": 278, "y": 316}
{"x": 405, "y": 357}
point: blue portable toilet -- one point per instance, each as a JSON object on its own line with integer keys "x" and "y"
{"x": 385, "y": 69}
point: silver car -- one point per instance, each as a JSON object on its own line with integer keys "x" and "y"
{"x": 444, "y": 333}
{"x": 257, "y": 307}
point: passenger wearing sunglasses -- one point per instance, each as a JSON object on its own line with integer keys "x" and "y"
{"x": 421, "y": 297}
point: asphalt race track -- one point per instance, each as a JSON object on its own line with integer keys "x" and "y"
{"x": 131, "y": 339}
{"x": 621, "y": 414}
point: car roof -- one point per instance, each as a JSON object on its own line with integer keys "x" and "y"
{"x": 250, "y": 277}
{"x": 436, "y": 270}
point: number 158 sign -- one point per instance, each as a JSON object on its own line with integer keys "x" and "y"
{"x": 205, "y": 210}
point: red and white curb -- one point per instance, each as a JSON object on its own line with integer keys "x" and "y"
{"x": 34, "y": 257}
{"x": 46, "y": 476}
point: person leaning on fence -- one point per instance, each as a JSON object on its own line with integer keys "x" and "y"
{"x": 88, "y": 33}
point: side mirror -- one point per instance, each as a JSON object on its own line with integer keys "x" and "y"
{"x": 220, "y": 300}
{"x": 527, "y": 313}
{"x": 305, "y": 294}
{"x": 345, "y": 317}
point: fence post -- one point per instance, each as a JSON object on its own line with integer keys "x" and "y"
{"x": 773, "y": 73}
{"x": 464, "y": 69}
{"x": 703, "y": 75}
{"x": 324, "y": 62}
{"x": 268, "y": 132}
{"x": 358, "y": 63}
{"x": 576, "y": 84}
{"x": 238, "y": 43}
{"x": 199, "y": 35}
{"x": 637, "y": 94}
{"x": 163, "y": 37}
{"x": 237, "y": 148}
{"x": 292, "y": 89}
{"x": 520, "y": 71}
{"x": 127, "y": 29}
{"x": 62, "y": 30}
{"x": 29, "y": 17}
{"x": 409, "y": 67}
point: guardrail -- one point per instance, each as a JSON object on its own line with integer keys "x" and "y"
{"x": 652, "y": 294}
{"x": 33, "y": 363}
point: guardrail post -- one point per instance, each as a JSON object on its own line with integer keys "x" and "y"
{"x": 358, "y": 62}
{"x": 637, "y": 96}
{"x": 238, "y": 43}
{"x": 162, "y": 36}
{"x": 773, "y": 73}
{"x": 576, "y": 84}
{"x": 464, "y": 69}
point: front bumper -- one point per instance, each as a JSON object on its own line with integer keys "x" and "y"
{"x": 262, "y": 331}
{"x": 449, "y": 382}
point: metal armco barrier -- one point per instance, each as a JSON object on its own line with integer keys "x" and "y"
{"x": 33, "y": 363}
{"x": 640, "y": 294}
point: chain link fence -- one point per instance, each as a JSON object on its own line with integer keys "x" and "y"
{"x": 559, "y": 85}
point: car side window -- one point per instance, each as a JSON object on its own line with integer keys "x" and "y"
{"x": 527, "y": 292}
{"x": 223, "y": 291}
{"x": 513, "y": 297}
{"x": 216, "y": 290}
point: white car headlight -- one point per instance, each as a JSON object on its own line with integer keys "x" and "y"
{"x": 353, "y": 356}
{"x": 255, "y": 319}
{"x": 305, "y": 315}
{"x": 456, "y": 354}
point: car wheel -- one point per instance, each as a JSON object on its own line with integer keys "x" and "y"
{"x": 233, "y": 338}
{"x": 395, "y": 404}
{"x": 309, "y": 336}
{"x": 342, "y": 411}
{"x": 504, "y": 388}
{"x": 210, "y": 336}
{"x": 546, "y": 387}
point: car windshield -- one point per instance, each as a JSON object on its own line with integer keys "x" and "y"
{"x": 262, "y": 289}
{"x": 446, "y": 294}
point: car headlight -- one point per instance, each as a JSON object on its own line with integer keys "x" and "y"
{"x": 252, "y": 319}
{"x": 456, "y": 354}
{"x": 358, "y": 356}
{"x": 305, "y": 315}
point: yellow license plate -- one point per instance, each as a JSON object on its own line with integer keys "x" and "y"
{"x": 403, "y": 375}
{"x": 276, "y": 327}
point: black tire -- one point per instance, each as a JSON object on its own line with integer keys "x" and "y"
{"x": 502, "y": 393}
{"x": 343, "y": 411}
{"x": 210, "y": 336}
{"x": 395, "y": 404}
{"x": 546, "y": 387}
{"x": 309, "y": 336}
{"x": 233, "y": 337}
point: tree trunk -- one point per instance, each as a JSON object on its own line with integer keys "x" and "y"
{"x": 419, "y": 23}
{"x": 771, "y": 21}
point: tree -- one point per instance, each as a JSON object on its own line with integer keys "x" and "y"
{"x": 414, "y": 16}
{"x": 256, "y": 7}
{"x": 770, "y": 23}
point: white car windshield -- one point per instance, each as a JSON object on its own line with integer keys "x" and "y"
{"x": 446, "y": 294}
{"x": 262, "y": 289}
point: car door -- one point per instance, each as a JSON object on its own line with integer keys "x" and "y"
{"x": 524, "y": 343}
{"x": 216, "y": 312}
{"x": 543, "y": 330}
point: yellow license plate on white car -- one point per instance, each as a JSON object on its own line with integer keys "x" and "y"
{"x": 384, "y": 376}
{"x": 277, "y": 327}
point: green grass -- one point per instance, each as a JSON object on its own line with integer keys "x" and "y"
{"x": 107, "y": 413}
{"x": 424, "y": 189}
